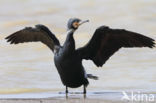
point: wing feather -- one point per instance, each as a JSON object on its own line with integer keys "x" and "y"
{"x": 38, "y": 33}
{"x": 105, "y": 42}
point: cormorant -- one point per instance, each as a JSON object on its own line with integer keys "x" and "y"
{"x": 68, "y": 60}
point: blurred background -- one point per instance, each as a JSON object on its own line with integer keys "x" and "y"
{"x": 29, "y": 68}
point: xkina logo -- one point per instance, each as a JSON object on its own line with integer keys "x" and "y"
{"x": 138, "y": 96}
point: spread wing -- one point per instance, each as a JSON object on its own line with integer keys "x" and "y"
{"x": 105, "y": 42}
{"x": 38, "y": 33}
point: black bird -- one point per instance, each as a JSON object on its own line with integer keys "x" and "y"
{"x": 68, "y": 60}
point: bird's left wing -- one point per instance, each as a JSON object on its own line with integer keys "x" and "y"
{"x": 105, "y": 42}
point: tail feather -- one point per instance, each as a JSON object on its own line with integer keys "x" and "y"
{"x": 90, "y": 76}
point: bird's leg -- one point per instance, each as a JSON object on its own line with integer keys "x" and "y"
{"x": 66, "y": 92}
{"x": 84, "y": 91}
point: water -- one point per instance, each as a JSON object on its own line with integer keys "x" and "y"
{"x": 29, "y": 68}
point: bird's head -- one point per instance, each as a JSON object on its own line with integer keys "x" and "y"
{"x": 74, "y": 23}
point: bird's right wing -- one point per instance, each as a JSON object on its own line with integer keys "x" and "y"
{"x": 38, "y": 33}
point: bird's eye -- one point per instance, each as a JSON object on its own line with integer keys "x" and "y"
{"x": 75, "y": 24}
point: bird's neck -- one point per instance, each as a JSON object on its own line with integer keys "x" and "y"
{"x": 70, "y": 42}
{"x": 70, "y": 33}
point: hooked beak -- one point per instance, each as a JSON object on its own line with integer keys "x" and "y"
{"x": 82, "y": 22}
